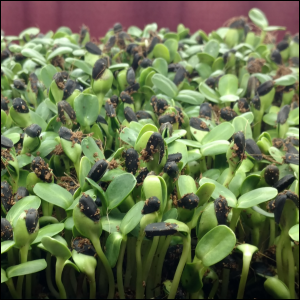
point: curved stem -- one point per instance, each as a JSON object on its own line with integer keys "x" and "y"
{"x": 182, "y": 261}
{"x": 45, "y": 220}
{"x": 245, "y": 271}
{"x": 58, "y": 272}
{"x": 120, "y": 270}
{"x": 48, "y": 277}
{"x": 111, "y": 281}
{"x": 23, "y": 256}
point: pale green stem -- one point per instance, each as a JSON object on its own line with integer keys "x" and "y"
{"x": 92, "y": 283}
{"x": 246, "y": 265}
{"x": 258, "y": 115}
{"x": 111, "y": 281}
{"x": 151, "y": 279}
{"x": 180, "y": 267}
{"x": 150, "y": 258}
{"x": 235, "y": 217}
{"x": 28, "y": 285}
{"x": 120, "y": 270}
{"x": 58, "y": 272}
{"x": 139, "y": 275}
{"x": 12, "y": 289}
{"x": 229, "y": 177}
{"x": 23, "y": 259}
{"x": 255, "y": 236}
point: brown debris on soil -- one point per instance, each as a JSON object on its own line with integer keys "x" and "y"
{"x": 255, "y": 66}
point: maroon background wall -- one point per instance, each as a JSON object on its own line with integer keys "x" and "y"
{"x": 100, "y": 16}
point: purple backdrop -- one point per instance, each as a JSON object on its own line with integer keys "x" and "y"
{"x": 101, "y": 15}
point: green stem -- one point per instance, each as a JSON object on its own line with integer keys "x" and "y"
{"x": 262, "y": 36}
{"x": 272, "y": 232}
{"x": 11, "y": 257}
{"x": 77, "y": 167}
{"x": 203, "y": 167}
{"x": 285, "y": 262}
{"x": 225, "y": 283}
{"x": 291, "y": 270}
{"x": 245, "y": 271}
{"x": 151, "y": 278}
{"x": 48, "y": 277}
{"x": 279, "y": 262}
{"x": 120, "y": 269}
{"x": 12, "y": 289}
{"x": 150, "y": 258}
{"x": 182, "y": 261}
{"x": 296, "y": 256}
{"x": 235, "y": 217}
{"x": 23, "y": 259}
{"x": 28, "y": 285}
{"x": 92, "y": 283}
{"x": 229, "y": 177}
{"x": 100, "y": 97}
{"x": 214, "y": 289}
{"x": 58, "y": 272}
{"x": 255, "y": 235}
{"x": 45, "y": 208}
{"x": 195, "y": 295}
{"x": 111, "y": 281}
{"x": 258, "y": 115}
{"x": 139, "y": 275}
{"x": 160, "y": 262}
{"x": 130, "y": 261}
